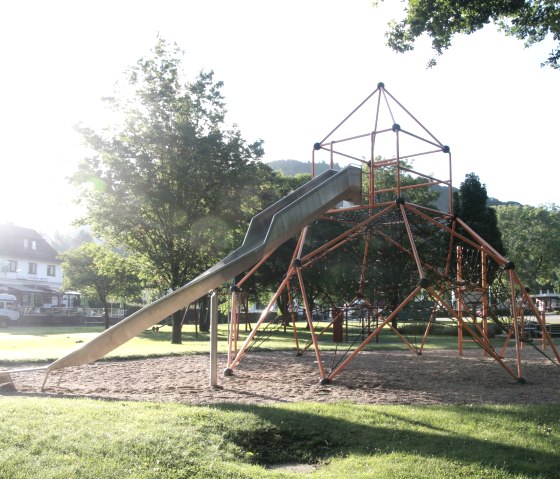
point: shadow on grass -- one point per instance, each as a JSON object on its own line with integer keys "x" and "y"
{"x": 288, "y": 436}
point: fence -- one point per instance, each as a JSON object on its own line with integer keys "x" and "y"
{"x": 84, "y": 312}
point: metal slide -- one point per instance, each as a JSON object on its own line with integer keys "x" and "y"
{"x": 267, "y": 231}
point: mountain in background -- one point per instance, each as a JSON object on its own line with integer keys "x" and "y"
{"x": 295, "y": 167}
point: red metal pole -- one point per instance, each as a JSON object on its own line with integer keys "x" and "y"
{"x": 483, "y": 344}
{"x": 414, "y": 118}
{"x": 428, "y": 327}
{"x": 451, "y": 249}
{"x": 412, "y": 242}
{"x": 348, "y": 233}
{"x": 349, "y": 115}
{"x": 539, "y": 319}
{"x": 310, "y": 322}
{"x": 364, "y": 263}
{"x": 484, "y": 285}
{"x": 499, "y": 258}
{"x": 263, "y": 316}
{"x": 515, "y": 325}
{"x": 460, "y": 299}
{"x": 403, "y": 339}
{"x": 372, "y": 156}
{"x": 387, "y": 320}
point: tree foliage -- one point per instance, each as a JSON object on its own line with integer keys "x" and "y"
{"x": 101, "y": 274}
{"x": 169, "y": 180}
{"x": 64, "y": 241}
{"x": 386, "y": 178}
{"x": 528, "y": 20}
{"x": 531, "y": 237}
{"x": 471, "y": 205}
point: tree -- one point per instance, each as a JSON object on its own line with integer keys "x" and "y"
{"x": 64, "y": 241}
{"x": 470, "y": 204}
{"x": 100, "y": 273}
{"x": 531, "y": 237}
{"x": 170, "y": 182}
{"x": 387, "y": 178}
{"x": 528, "y": 20}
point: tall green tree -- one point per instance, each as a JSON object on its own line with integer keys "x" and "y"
{"x": 101, "y": 274}
{"x": 531, "y": 235}
{"x": 168, "y": 179}
{"x": 529, "y": 20}
{"x": 471, "y": 205}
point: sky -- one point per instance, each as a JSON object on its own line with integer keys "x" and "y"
{"x": 292, "y": 70}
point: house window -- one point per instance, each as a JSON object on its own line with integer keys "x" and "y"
{"x": 32, "y": 268}
{"x": 51, "y": 270}
{"x": 12, "y": 266}
{"x": 29, "y": 243}
{"x": 26, "y": 300}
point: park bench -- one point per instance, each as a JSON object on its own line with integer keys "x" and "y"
{"x": 534, "y": 330}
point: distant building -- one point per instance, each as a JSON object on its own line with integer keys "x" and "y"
{"x": 547, "y": 300}
{"x": 29, "y": 268}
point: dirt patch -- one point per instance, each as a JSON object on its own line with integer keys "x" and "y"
{"x": 382, "y": 377}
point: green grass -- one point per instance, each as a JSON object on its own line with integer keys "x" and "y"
{"x": 51, "y": 438}
{"x": 31, "y": 344}
{"x": 41, "y": 344}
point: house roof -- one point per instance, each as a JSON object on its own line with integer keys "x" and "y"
{"x": 546, "y": 295}
{"x": 13, "y": 244}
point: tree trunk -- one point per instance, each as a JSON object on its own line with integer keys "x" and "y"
{"x": 106, "y": 313}
{"x": 282, "y": 303}
{"x": 204, "y": 318}
{"x": 177, "y": 327}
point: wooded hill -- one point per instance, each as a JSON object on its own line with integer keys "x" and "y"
{"x": 295, "y": 167}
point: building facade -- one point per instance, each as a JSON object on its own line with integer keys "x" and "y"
{"x": 30, "y": 269}
{"x": 547, "y": 300}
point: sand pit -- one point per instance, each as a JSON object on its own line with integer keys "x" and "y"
{"x": 383, "y": 377}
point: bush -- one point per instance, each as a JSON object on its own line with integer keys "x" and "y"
{"x": 419, "y": 328}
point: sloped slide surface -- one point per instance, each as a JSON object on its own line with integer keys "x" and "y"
{"x": 266, "y": 232}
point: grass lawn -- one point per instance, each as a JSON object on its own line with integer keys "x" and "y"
{"x": 40, "y": 344}
{"x": 79, "y": 438}
{"x": 48, "y": 438}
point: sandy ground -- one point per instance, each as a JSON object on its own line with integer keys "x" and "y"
{"x": 384, "y": 377}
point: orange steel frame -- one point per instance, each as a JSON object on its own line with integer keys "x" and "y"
{"x": 478, "y": 332}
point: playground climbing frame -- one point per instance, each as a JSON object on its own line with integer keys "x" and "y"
{"x": 443, "y": 271}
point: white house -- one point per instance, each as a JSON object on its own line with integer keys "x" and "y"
{"x": 29, "y": 268}
{"x": 547, "y": 300}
